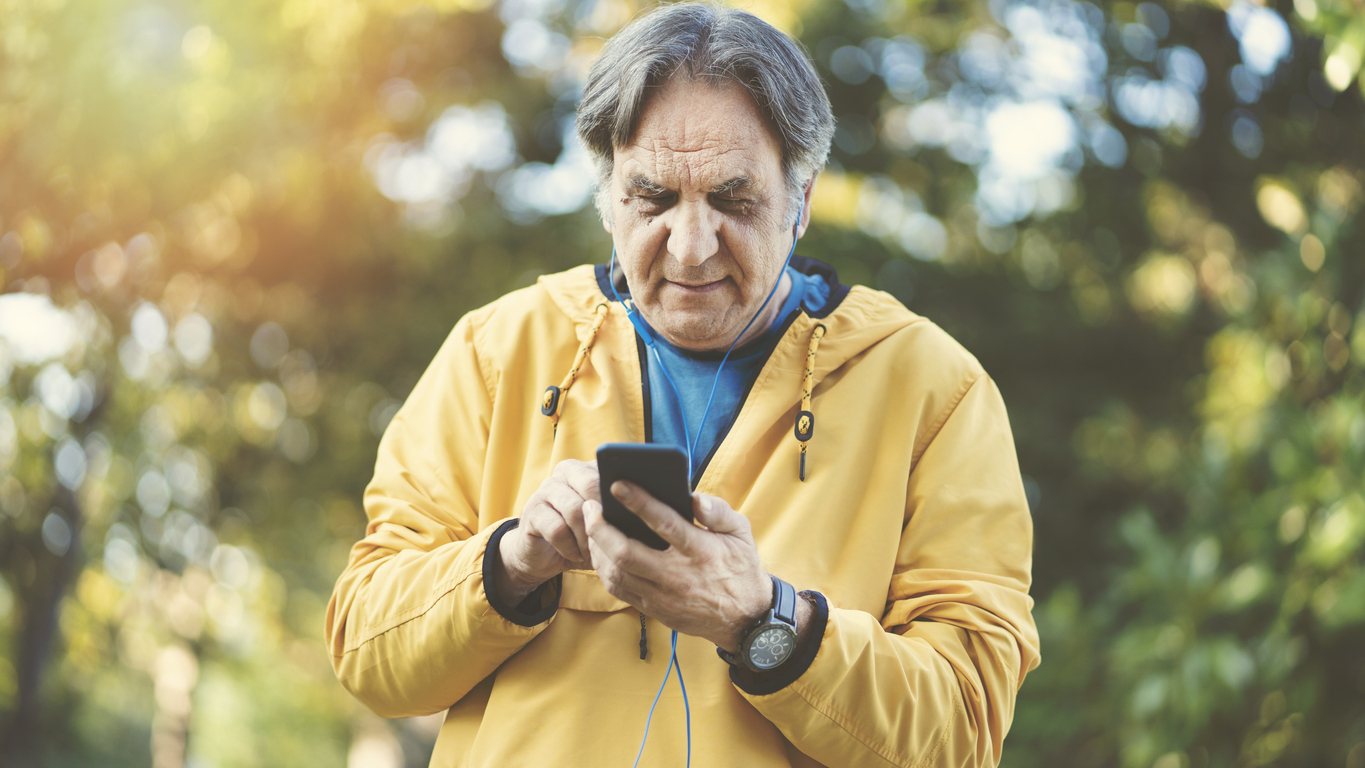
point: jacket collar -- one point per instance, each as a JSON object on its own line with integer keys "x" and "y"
{"x": 855, "y": 317}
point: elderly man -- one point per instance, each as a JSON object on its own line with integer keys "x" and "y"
{"x": 488, "y": 584}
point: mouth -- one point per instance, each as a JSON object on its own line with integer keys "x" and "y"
{"x": 697, "y": 289}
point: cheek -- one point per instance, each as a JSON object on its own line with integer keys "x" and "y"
{"x": 638, "y": 241}
{"x": 760, "y": 253}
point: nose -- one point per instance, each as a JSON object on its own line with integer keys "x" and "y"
{"x": 692, "y": 238}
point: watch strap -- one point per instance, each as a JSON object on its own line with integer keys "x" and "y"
{"x": 784, "y": 602}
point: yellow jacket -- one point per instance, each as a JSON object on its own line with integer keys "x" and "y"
{"x": 911, "y": 523}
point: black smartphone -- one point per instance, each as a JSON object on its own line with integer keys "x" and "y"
{"x": 659, "y": 469}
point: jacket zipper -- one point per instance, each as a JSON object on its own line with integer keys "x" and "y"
{"x": 644, "y": 387}
{"x": 649, "y": 438}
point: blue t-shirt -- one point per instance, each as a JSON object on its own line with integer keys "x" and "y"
{"x": 694, "y": 373}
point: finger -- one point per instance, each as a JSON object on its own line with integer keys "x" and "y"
{"x": 569, "y": 506}
{"x": 640, "y": 590}
{"x": 619, "y": 583}
{"x": 583, "y": 478}
{"x": 717, "y": 515}
{"x": 532, "y": 516}
{"x": 602, "y": 535}
{"x": 661, "y": 518}
{"x": 654, "y": 566}
{"x": 553, "y": 529}
{"x": 563, "y": 468}
{"x": 599, "y": 559}
{"x": 621, "y": 551}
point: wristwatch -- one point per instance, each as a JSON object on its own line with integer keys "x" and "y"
{"x": 773, "y": 639}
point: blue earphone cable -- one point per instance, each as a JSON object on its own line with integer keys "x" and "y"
{"x": 687, "y": 710}
{"x": 647, "y": 334}
{"x": 672, "y": 661}
{"x": 723, "y": 360}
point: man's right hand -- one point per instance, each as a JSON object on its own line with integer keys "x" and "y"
{"x": 551, "y": 537}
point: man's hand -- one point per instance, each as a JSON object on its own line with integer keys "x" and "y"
{"x": 551, "y": 537}
{"x": 708, "y": 583}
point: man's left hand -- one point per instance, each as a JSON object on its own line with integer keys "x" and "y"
{"x": 708, "y": 583}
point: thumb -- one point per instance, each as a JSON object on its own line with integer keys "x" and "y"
{"x": 714, "y": 513}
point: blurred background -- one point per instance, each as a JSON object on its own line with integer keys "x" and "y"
{"x": 234, "y": 232}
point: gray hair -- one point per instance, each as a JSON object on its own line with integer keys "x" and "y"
{"x": 707, "y": 43}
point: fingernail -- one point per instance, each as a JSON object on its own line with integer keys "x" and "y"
{"x": 706, "y": 503}
{"x": 620, "y": 490}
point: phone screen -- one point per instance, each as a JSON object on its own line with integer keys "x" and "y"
{"x": 659, "y": 469}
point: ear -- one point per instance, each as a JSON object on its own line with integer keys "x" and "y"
{"x": 601, "y": 202}
{"x": 805, "y": 205}
{"x": 602, "y": 195}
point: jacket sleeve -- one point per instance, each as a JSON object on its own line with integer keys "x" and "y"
{"x": 933, "y": 682}
{"x": 410, "y": 625}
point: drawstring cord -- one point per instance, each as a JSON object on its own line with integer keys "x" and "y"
{"x": 805, "y": 420}
{"x": 552, "y": 401}
{"x": 552, "y": 405}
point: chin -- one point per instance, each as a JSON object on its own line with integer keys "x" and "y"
{"x": 696, "y": 330}
{"x": 689, "y": 331}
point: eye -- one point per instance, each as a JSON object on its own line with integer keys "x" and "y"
{"x": 732, "y": 203}
{"x": 655, "y": 204}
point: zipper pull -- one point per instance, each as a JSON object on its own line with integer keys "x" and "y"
{"x": 644, "y": 639}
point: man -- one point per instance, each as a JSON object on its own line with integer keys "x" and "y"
{"x": 489, "y": 585}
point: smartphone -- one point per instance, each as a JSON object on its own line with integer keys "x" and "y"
{"x": 659, "y": 469}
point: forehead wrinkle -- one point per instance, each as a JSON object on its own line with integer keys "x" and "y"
{"x": 735, "y": 141}
{"x": 696, "y": 135}
{"x": 692, "y": 167}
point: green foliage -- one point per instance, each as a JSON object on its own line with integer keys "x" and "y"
{"x": 250, "y": 280}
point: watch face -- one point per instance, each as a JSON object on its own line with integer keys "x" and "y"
{"x": 771, "y": 647}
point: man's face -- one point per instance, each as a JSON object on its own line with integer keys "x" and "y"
{"x": 700, "y": 213}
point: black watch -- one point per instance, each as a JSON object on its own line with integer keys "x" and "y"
{"x": 773, "y": 639}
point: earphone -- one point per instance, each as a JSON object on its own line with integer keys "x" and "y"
{"x": 647, "y": 335}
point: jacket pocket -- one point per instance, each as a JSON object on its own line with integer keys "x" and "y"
{"x": 584, "y": 591}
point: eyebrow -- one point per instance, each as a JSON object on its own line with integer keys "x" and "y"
{"x": 644, "y": 184}
{"x": 732, "y": 186}
{"x": 729, "y": 187}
